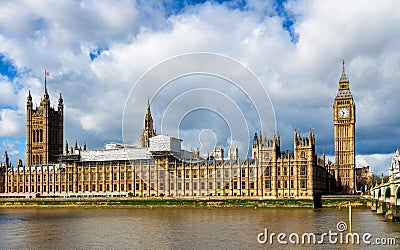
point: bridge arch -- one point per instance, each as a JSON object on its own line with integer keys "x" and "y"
{"x": 379, "y": 198}
{"x": 387, "y": 194}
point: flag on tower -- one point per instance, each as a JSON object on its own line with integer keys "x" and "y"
{"x": 46, "y": 73}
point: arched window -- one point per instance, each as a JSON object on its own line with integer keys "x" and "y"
{"x": 41, "y": 159}
{"x": 33, "y": 136}
{"x": 302, "y": 170}
{"x": 303, "y": 155}
{"x": 41, "y": 135}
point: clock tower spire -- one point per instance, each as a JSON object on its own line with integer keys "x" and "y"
{"x": 344, "y": 118}
{"x": 344, "y": 81}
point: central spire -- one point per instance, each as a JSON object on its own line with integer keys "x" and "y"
{"x": 148, "y": 130}
{"x": 148, "y": 113}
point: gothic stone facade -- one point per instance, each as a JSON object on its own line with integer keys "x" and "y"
{"x": 142, "y": 172}
{"x": 151, "y": 170}
{"x": 291, "y": 174}
{"x": 44, "y": 131}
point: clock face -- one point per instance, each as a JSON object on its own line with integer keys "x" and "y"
{"x": 344, "y": 113}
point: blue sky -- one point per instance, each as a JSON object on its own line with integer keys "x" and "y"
{"x": 7, "y": 67}
{"x": 96, "y": 51}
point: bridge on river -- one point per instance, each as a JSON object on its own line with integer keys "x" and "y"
{"x": 386, "y": 198}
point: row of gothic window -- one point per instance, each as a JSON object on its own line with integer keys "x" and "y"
{"x": 37, "y": 159}
{"x": 285, "y": 171}
{"x": 37, "y": 135}
{"x": 88, "y": 188}
{"x": 267, "y": 156}
{"x": 303, "y": 184}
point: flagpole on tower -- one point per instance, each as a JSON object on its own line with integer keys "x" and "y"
{"x": 45, "y": 84}
{"x": 46, "y": 74}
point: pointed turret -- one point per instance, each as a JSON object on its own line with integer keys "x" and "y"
{"x": 394, "y": 168}
{"x": 311, "y": 136}
{"x": 148, "y": 130}
{"x": 343, "y": 81}
{"x": 66, "y": 147}
{"x": 255, "y": 140}
{"x": 60, "y": 100}
{"x": 29, "y": 99}
{"x": 343, "y": 77}
{"x": 46, "y": 98}
{"x": 6, "y": 160}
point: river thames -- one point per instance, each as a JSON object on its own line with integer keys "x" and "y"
{"x": 184, "y": 228}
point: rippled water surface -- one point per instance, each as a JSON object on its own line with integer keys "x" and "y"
{"x": 177, "y": 228}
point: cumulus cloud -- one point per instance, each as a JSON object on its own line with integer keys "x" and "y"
{"x": 97, "y": 50}
{"x": 11, "y": 123}
{"x": 7, "y": 93}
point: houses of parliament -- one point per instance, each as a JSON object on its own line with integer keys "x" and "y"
{"x": 160, "y": 167}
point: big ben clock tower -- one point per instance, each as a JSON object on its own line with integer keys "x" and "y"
{"x": 344, "y": 119}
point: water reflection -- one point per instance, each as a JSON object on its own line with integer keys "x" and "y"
{"x": 176, "y": 228}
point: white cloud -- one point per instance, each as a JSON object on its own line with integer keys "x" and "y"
{"x": 7, "y": 92}
{"x": 11, "y": 123}
{"x": 378, "y": 162}
{"x": 133, "y": 36}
